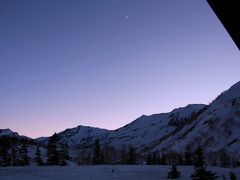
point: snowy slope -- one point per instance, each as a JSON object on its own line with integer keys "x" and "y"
{"x": 79, "y": 137}
{"x": 216, "y": 129}
{"x": 148, "y": 129}
{"x": 82, "y": 135}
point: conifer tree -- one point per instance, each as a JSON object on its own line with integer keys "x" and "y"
{"x": 131, "y": 156}
{"x": 14, "y": 156}
{"x": 188, "y": 159}
{"x": 163, "y": 159}
{"x": 201, "y": 172}
{"x": 65, "y": 151}
{"x": 155, "y": 158}
{"x": 38, "y": 158}
{"x": 52, "y": 151}
{"x": 62, "y": 156}
{"x": 97, "y": 157}
{"x": 23, "y": 153}
{"x": 62, "y": 160}
{"x": 123, "y": 155}
{"x": 225, "y": 160}
{"x": 8, "y": 159}
{"x": 89, "y": 158}
{"x": 180, "y": 160}
{"x": 233, "y": 176}
{"x": 108, "y": 154}
{"x": 149, "y": 159}
{"x": 174, "y": 173}
{"x": 5, "y": 157}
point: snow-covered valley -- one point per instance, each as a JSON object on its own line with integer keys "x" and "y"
{"x": 103, "y": 172}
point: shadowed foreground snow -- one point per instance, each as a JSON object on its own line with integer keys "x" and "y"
{"x": 100, "y": 172}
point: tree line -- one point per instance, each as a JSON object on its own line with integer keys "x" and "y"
{"x": 128, "y": 155}
{"x": 108, "y": 155}
{"x": 14, "y": 152}
{"x": 201, "y": 171}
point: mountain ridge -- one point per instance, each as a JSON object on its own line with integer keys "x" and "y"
{"x": 215, "y": 126}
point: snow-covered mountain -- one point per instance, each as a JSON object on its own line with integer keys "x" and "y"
{"x": 80, "y": 136}
{"x": 215, "y": 126}
{"x": 148, "y": 129}
{"x": 8, "y": 132}
{"x": 142, "y": 131}
{"x": 216, "y": 129}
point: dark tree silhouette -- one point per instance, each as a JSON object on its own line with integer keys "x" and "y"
{"x": 65, "y": 151}
{"x": 201, "y": 172}
{"x": 52, "y": 151}
{"x": 38, "y": 158}
{"x": 233, "y": 176}
{"x": 84, "y": 157}
{"x": 149, "y": 159}
{"x": 163, "y": 159}
{"x": 23, "y": 153}
{"x": 180, "y": 160}
{"x": 109, "y": 154}
{"x": 5, "y": 157}
{"x": 153, "y": 158}
{"x": 225, "y": 160}
{"x": 97, "y": 156}
{"x": 14, "y": 156}
{"x": 188, "y": 157}
{"x": 131, "y": 156}
{"x": 174, "y": 173}
{"x": 123, "y": 155}
{"x": 63, "y": 156}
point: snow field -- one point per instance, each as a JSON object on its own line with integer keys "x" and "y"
{"x": 102, "y": 172}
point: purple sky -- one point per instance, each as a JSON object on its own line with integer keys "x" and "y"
{"x": 105, "y": 63}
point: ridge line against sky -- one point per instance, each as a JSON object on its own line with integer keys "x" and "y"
{"x": 105, "y": 63}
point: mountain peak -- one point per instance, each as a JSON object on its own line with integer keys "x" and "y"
{"x": 7, "y": 132}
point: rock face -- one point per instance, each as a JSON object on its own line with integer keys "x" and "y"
{"x": 216, "y": 127}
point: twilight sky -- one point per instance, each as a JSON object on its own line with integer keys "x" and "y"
{"x": 105, "y": 63}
